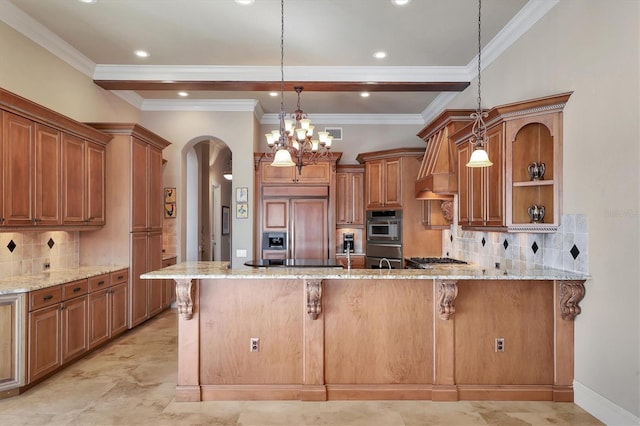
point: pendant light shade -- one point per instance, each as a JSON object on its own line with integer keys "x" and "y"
{"x": 479, "y": 158}
{"x": 282, "y": 159}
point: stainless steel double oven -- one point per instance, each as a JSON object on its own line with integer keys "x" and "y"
{"x": 384, "y": 239}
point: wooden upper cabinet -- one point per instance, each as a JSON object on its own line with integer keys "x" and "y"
{"x": 83, "y": 182}
{"x": 139, "y": 185}
{"x": 146, "y": 188}
{"x": 96, "y": 184}
{"x": 350, "y": 196}
{"x": 500, "y": 196}
{"x": 311, "y": 174}
{"x": 276, "y": 212}
{"x": 384, "y": 183}
{"x": 48, "y": 165}
{"x": 18, "y": 168}
{"x": 73, "y": 182}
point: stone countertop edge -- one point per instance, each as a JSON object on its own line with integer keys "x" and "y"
{"x": 31, "y": 282}
{"x": 221, "y": 270}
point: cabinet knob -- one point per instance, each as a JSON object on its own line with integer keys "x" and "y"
{"x": 48, "y": 297}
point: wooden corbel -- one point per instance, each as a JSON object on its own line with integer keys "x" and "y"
{"x": 571, "y": 293}
{"x": 314, "y": 298}
{"x": 447, "y": 292}
{"x": 184, "y": 298}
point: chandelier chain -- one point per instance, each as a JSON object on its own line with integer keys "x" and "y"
{"x": 282, "y": 138}
{"x": 479, "y": 54}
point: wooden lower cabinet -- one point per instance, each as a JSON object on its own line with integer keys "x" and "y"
{"x": 146, "y": 296}
{"x": 12, "y": 343}
{"x": 57, "y": 334}
{"x": 108, "y": 307}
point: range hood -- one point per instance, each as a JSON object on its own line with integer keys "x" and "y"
{"x": 438, "y": 175}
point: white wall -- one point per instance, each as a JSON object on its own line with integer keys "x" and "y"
{"x": 591, "y": 47}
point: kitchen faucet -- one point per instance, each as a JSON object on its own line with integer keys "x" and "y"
{"x": 384, "y": 259}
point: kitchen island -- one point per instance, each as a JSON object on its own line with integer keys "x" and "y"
{"x": 453, "y": 332}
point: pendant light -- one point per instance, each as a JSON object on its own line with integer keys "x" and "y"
{"x": 479, "y": 157}
{"x": 295, "y": 135}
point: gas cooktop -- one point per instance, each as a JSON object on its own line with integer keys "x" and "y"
{"x": 422, "y": 262}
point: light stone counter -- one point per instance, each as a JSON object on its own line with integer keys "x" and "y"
{"x": 31, "y": 282}
{"x": 217, "y": 270}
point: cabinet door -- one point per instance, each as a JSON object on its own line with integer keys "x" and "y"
{"x": 2, "y": 190}
{"x": 309, "y": 229}
{"x": 314, "y": 173}
{"x": 477, "y": 196}
{"x": 155, "y": 287}
{"x": 44, "y": 341}
{"x": 357, "y": 199}
{"x": 392, "y": 183}
{"x": 155, "y": 192}
{"x": 138, "y": 299}
{"x": 270, "y": 174}
{"x": 73, "y": 180}
{"x": 342, "y": 198}
{"x": 494, "y": 187}
{"x": 75, "y": 336}
{"x": 140, "y": 185}
{"x": 18, "y": 170}
{"x": 12, "y": 332}
{"x": 464, "y": 179}
{"x": 119, "y": 301}
{"x": 374, "y": 188}
{"x": 95, "y": 197}
{"x": 48, "y": 165}
{"x": 99, "y": 317}
{"x": 276, "y": 214}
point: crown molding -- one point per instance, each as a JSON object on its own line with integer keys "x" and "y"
{"x": 39, "y": 34}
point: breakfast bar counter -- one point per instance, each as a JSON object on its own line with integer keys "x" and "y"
{"x": 451, "y": 332}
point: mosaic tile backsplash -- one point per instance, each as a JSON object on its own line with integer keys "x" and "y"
{"x": 565, "y": 249}
{"x": 27, "y": 252}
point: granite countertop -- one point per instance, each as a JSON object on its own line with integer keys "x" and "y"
{"x": 217, "y": 270}
{"x": 31, "y": 282}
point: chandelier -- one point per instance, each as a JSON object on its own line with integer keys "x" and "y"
{"x": 293, "y": 144}
{"x": 479, "y": 157}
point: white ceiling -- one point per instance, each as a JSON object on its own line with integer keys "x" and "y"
{"x": 325, "y": 40}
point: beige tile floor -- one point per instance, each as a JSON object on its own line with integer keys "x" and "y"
{"x": 131, "y": 382}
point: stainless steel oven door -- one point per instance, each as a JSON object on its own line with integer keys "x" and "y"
{"x": 383, "y": 231}
{"x": 380, "y": 250}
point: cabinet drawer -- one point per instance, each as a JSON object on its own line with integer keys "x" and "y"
{"x": 169, "y": 262}
{"x": 119, "y": 276}
{"x": 74, "y": 289}
{"x": 45, "y": 297}
{"x": 99, "y": 282}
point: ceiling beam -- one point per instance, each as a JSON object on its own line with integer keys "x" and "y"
{"x": 274, "y": 86}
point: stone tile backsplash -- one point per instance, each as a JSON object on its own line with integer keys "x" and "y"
{"x": 27, "y": 252}
{"x": 566, "y": 249}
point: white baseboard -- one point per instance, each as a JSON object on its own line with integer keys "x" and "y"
{"x": 601, "y": 408}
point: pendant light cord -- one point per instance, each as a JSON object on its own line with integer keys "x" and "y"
{"x": 282, "y": 136}
{"x": 479, "y": 54}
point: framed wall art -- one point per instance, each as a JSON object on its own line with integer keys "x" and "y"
{"x": 242, "y": 195}
{"x": 170, "y": 203}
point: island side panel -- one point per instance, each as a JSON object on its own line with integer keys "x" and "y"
{"x": 378, "y": 339}
{"x": 188, "y": 386}
{"x": 520, "y": 312}
{"x": 234, "y": 311}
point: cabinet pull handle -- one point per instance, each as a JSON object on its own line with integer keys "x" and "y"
{"x": 2, "y": 220}
{"x": 100, "y": 282}
{"x": 120, "y": 277}
{"x": 63, "y": 307}
{"x": 77, "y": 289}
{"x": 48, "y": 297}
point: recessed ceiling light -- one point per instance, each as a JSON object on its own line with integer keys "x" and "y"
{"x": 244, "y": 2}
{"x": 142, "y": 53}
{"x": 400, "y": 2}
{"x": 380, "y": 55}
{"x": 364, "y": 94}
{"x": 273, "y": 94}
{"x": 183, "y": 94}
{"x": 88, "y": 1}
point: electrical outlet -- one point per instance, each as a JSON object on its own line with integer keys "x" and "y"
{"x": 254, "y": 344}
{"x": 497, "y": 265}
{"x": 499, "y": 344}
{"x": 241, "y": 253}
{"x": 46, "y": 265}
